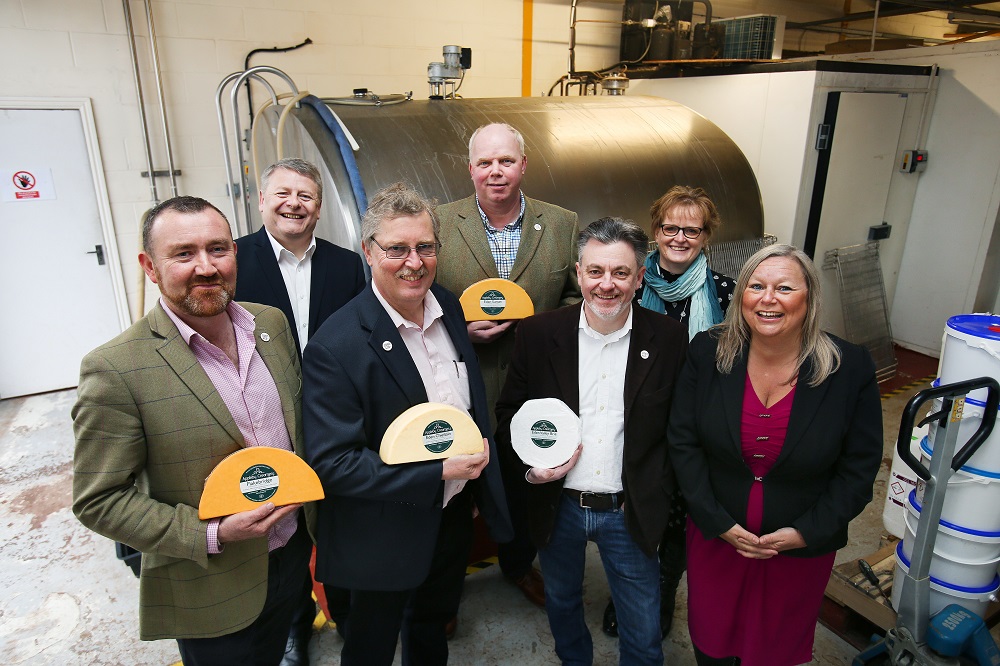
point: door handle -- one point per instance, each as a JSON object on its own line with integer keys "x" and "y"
{"x": 99, "y": 251}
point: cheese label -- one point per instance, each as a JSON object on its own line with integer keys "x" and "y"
{"x": 544, "y": 434}
{"x": 492, "y": 302}
{"x": 438, "y": 436}
{"x": 259, "y": 483}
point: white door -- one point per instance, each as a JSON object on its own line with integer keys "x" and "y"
{"x": 862, "y": 161}
{"x": 58, "y": 293}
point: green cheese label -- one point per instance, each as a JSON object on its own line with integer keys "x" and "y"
{"x": 259, "y": 483}
{"x": 438, "y": 436}
{"x": 544, "y": 434}
{"x": 492, "y": 302}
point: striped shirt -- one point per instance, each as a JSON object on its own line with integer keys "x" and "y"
{"x": 250, "y": 395}
{"x": 503, "y": 242}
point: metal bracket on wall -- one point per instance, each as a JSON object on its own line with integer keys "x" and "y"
{"x": 823, "y": 134}
{"x": 160, "y": 173}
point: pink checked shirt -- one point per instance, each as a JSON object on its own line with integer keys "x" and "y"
{"x": 250, "y": 395}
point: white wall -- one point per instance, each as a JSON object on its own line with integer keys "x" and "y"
{"x": 78, "y": 48}
{"x": 769, "y": 116}
{"x": 943, "y": 257}
{"x": 957, "y": 199}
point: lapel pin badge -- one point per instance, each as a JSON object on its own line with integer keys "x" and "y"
{"x": 644, "y": 354}
{"x": 387, "y": 345}
{"x": 265, "y": 337}
{"x": 538, "y": 227}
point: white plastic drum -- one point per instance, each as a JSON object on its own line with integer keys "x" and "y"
{"x": 961, "y": 556}
{"x": 972, "y": 500}
{"x": 974, "y": 599}
{"x": 971, "y": 349}
{"x": 987, "y": 458}
{"x": 901, "y": 481}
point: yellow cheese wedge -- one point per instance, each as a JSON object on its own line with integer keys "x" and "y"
{"x": 495, "y": 299}
{"x": 430, "y": 431}
{"x": 248, "y": 478}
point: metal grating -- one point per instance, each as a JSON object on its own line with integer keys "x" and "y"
{"x": 728, "y": 258}
{"x": 862, "y": 297}
{"x": 756, "y": 37}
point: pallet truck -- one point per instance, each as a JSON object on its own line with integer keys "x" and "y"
{"x": 954, "y": 636}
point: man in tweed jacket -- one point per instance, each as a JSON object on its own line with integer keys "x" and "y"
{"x": 499, "y": 232}
{"x": 199, "y": 377}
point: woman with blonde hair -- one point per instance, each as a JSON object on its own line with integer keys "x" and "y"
{"x": 776, "y": 437}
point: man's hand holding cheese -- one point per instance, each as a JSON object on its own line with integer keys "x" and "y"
{"x": 398, "y": 533}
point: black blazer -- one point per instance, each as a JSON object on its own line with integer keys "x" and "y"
{"x": 545, "y": 365}
{"x": 823, "y": 476}
{"x": 378, "y": 525}
{"x": 337, "y": 277}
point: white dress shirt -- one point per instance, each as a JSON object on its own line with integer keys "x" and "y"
{"x": 297, "y": 275}
{"x": 445, "y": 378}
{"x": 601, "y": 361}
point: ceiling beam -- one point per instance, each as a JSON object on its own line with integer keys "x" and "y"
{"x": 903, "y": 7}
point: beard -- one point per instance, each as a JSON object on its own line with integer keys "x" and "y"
{"x": 202, "y": 304}
{"x": 607, "y": 312}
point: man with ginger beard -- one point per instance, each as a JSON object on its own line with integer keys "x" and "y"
{"x": 196, "y": 379}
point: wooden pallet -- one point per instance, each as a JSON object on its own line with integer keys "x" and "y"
{"x": 855, "y": 610}
{"x": 849, "y": 587}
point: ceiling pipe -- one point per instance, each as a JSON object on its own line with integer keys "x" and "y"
{"x": 875, "y": 24}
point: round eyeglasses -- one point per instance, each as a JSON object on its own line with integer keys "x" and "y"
{"x": 670, "y": 230}
{"x": 403, "y": 251}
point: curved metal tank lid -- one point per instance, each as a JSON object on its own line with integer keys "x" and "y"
{"x": 596, "y": 155}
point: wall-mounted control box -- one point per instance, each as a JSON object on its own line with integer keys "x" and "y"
{"x": 913, "y": 160}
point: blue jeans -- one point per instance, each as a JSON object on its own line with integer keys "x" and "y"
{"x": 633, "y": 577}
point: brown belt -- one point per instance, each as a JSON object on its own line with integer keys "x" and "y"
{"x": 596, "y": 501}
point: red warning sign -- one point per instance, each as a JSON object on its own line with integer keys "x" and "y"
{"x": 26, "y": 182}
{"x": 23, "y": 180}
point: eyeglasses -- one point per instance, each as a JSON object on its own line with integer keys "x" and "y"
{"x": 670, "y": 230}
{"x": 403, "y": 251}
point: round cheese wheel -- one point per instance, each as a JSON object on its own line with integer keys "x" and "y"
{"x": 496, "y": 299}
{"x": 545, "y": 432}
{"x": 430, "y": 431}
{"x": 257, "y": 474}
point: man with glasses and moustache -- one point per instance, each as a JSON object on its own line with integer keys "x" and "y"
{"x": 398, "y": 536}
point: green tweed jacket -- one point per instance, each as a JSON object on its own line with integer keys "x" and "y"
{"x": 545, "y": 267}
{"x": 149, "y": 428}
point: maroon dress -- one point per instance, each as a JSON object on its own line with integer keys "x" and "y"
{"x": 762, "y": 611}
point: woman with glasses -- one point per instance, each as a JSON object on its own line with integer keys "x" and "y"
{"x": 679, "y": 283}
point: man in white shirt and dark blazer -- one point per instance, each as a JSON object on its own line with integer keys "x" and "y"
{"x": 614, "y": 365}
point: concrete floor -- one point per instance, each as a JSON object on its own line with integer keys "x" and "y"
{"x": 68, "y": 601}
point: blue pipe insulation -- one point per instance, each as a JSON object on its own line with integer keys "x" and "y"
{"x": 346, "y": 153}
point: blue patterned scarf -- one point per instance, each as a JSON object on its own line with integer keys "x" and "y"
{"x": 696, "y": 282}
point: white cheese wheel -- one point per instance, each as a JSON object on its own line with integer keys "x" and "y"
{"x": 545, "y": 432}
{"x": 430, "y": 431}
